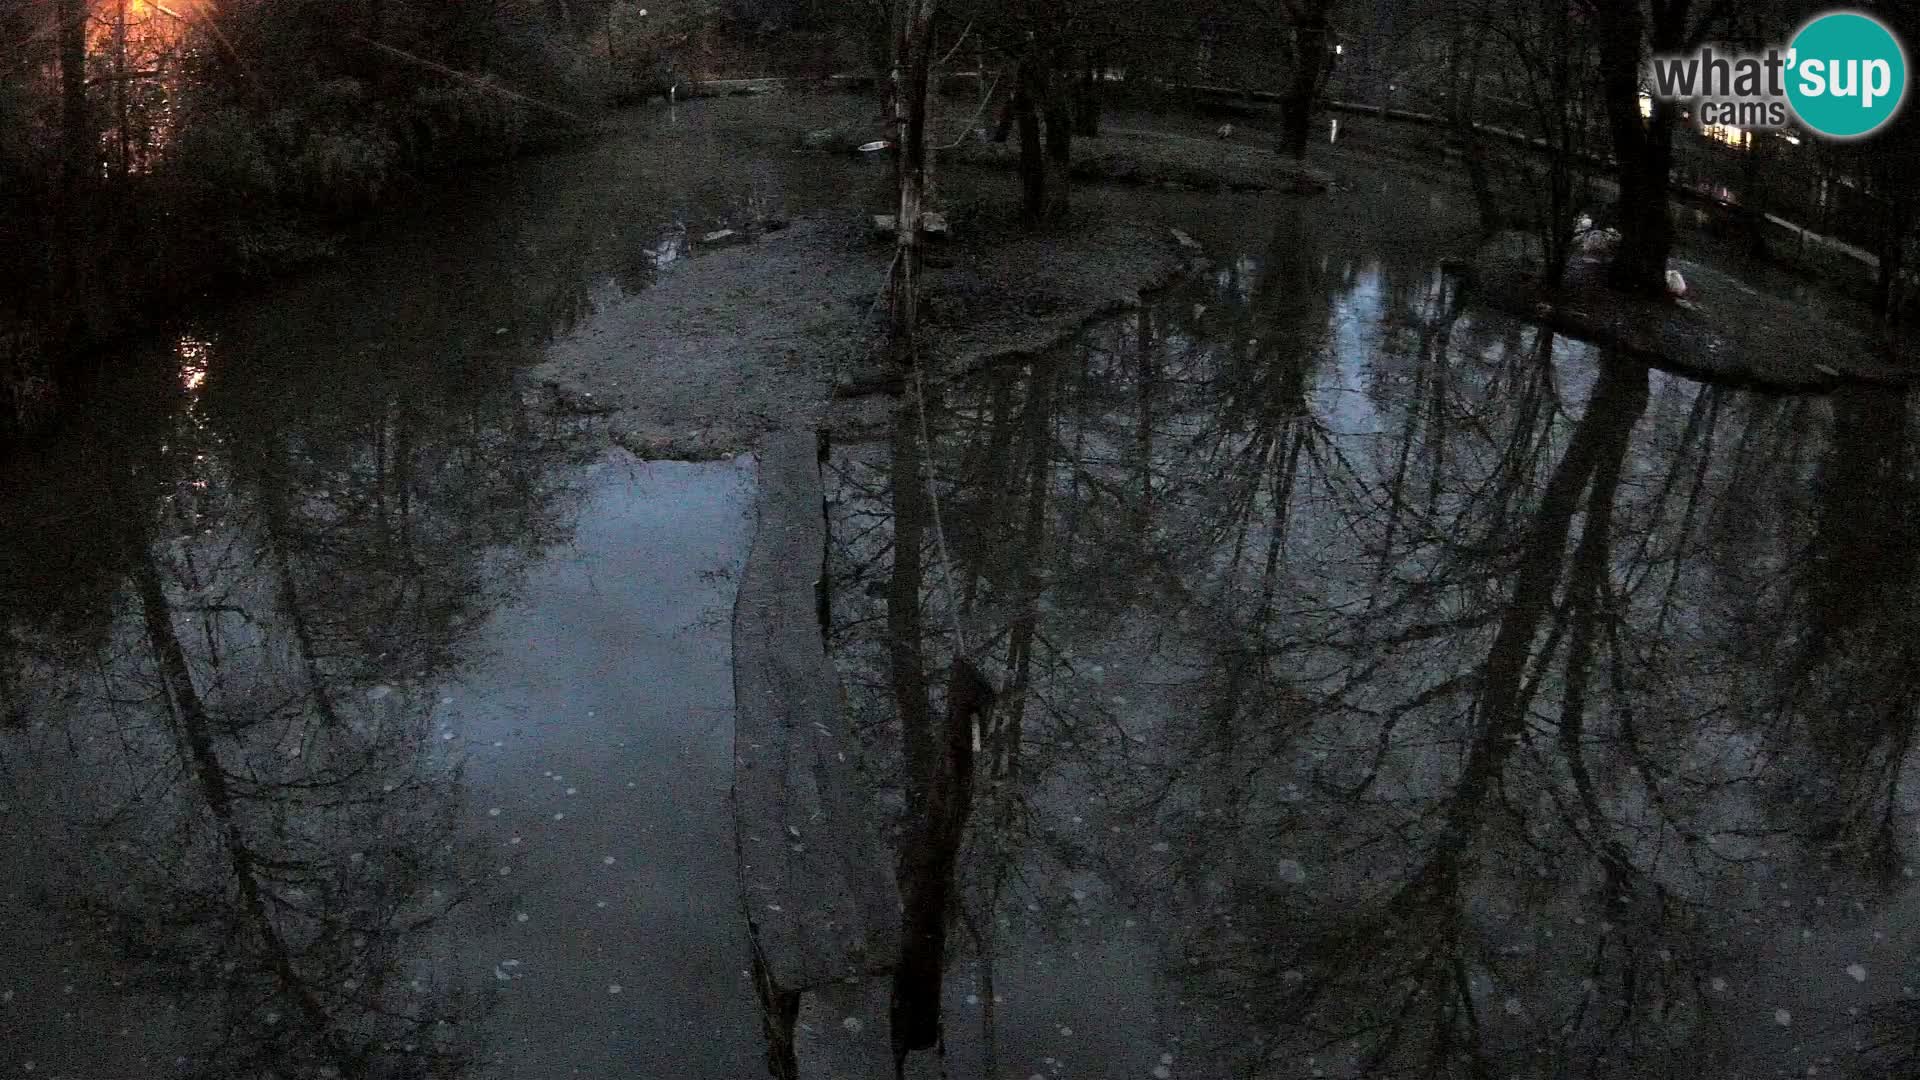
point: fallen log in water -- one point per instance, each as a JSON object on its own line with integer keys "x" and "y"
{"x": 819, "y": 903}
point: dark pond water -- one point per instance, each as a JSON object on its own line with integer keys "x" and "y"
{"x": 1390, "y": 690}
{"x": 1386, "y": 691}
{"x": 354, "y": 719}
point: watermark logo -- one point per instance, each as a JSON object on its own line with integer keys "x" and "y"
{"x": 1843, "y": 75}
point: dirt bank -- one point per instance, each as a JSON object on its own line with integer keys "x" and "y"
{"x": 735, "y": 342}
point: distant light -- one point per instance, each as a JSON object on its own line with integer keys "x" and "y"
{"x": 1646, "y": 106}
{"x": 1792, "y": 139}
{"x": 1339, "y": 50}
{"x": 643, "y": 12}
{"x": 1725, "y": 133}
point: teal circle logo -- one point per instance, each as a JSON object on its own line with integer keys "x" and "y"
{"x": 1846, "y": 74}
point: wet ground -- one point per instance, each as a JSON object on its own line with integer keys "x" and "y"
{"x": 1386, "y": 690}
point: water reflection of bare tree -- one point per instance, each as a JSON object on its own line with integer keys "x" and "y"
{"x": 254, "y": 811}
{"x": 1482, "y": 746}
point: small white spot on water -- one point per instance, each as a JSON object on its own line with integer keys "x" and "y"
{"x": 493, "y": 811}
{"x": 505, "y": 870}
{"x": 600, "y": 903}
{"x": 852, "y": 1024}
{"x": 1161, "y": 848}
{"x": 522, "y": 917}
{"x": 1079, "y": 894}
{"x": 613, "y": 988}
{"x": 973, "y": 999}
{"x": 573, "y": 791}
{"x": 1857, "y": 972}
{"x": 560, "y": 817}
{"x": 1065, "y": 1030}
{"x": 379, "y": 692}
{"x": 497, "y": 744}
{"x": 448, "y": 737}
{"x": 1783, "y": 1017}
{"x": 446, "y": 701}
{"x": 608, "y": 860}
{"x": 1514, "y": 1008}
{"x": 514, "y": 840}
{"x": 1291, "y": 871}
{"x": 1161, "y": 1072}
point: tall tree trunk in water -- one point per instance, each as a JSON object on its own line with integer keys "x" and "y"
{"x": 904, "y": 623}
{"x": 1033, "y": 165}
{"x": 1642, "y": 150}
{"x": 910, "y": 168}
{"x": 1309, "y": 65}
{"x": 903, "y": 593}
{"x": 76, "y": 168}
{"x": 928, "y": 857}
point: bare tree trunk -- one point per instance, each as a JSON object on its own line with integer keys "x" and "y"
{"x": 76, "y": 168}
{"x": 1893, "y": 245}
{"x": 123, "y": 137}
{"x": 1086, "y": 102}
{"x": 1033, "y": 166}
{"x": 1753, "y": 192}
{"x": 1557, "y": 230}
{"x": 910, "y": 167}
{"x": 906, "y": 661}
{"x": 928, "y": 859}
{"x": 1059, "y": 115}
{"x": 1642, "y": 150}
{"x": 1462, "y": 92}
{"x": 1309, "y": 66}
